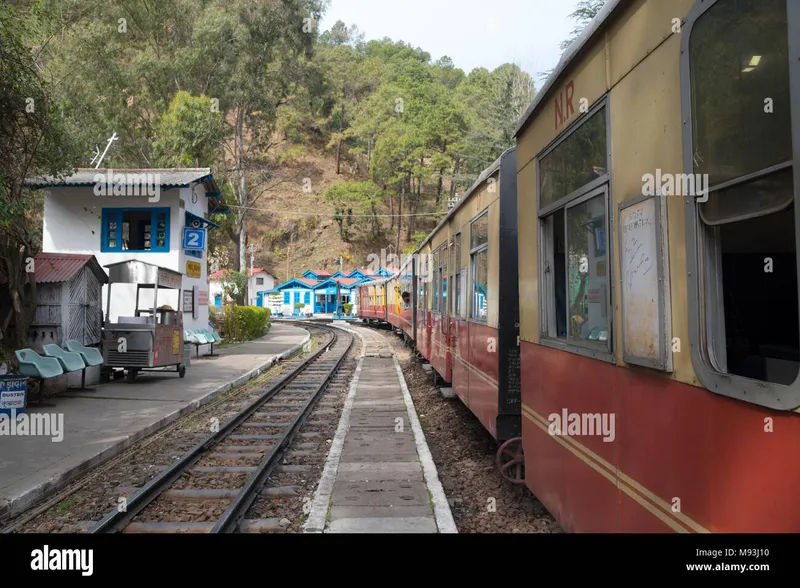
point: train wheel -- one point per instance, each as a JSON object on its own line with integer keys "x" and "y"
{"x": 511, "y": 462}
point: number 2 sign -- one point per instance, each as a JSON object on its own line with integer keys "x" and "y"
{"x": 194, "y": 238}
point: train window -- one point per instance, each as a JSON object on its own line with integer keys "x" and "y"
{"x": 575, "y": 304}
{"x": 742, "y": 236}
{"x": 479, "y": 267}
{"x": 579, "y": 160}
{"x": 587, "y": 304}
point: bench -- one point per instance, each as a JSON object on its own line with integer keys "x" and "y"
{"x": 198, "y": 337}
{"x": 71, "y": 361}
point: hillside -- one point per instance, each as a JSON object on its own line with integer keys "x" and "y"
{"x": 288, "y": 219}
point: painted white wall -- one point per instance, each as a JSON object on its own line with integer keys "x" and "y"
{"x": 72, "y": 224}
{"x": 253, "y": 289}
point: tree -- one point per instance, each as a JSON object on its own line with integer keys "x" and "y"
{"x": 584, "y": 13}
{"x": 186, "y": 134}
{"x": 34, "y": 141}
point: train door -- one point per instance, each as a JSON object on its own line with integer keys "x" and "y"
{"x": 447, "y": 295}
{"x": 414, "y": 294}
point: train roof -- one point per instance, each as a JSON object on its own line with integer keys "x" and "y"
{"x": 571, "y": 53}
{"x": 485, "y": 174}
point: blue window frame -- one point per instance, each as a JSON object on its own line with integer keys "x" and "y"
{"x": 287, "y": 298}
{"x": 308, "y": 298}
{"x": 296, "y": 297}
{"x": 143, "y": 230}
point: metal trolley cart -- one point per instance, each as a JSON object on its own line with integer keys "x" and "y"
{"x": 152, "y": 338}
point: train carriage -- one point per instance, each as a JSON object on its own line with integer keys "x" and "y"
{"x": 399, "y": 299}
{"x": 372, "y": 301}
{"x": 469, "y": 299}
{"x": 658, "y": 172}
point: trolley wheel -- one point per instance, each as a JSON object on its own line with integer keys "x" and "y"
{"x": 511, "y": 462}
{"x": 130, "y": 375}
{"x": 181, "y": 370}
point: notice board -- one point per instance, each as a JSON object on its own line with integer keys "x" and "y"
{"x": 646, "y": 317}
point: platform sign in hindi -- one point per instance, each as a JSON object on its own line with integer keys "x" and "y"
{"x": 202, "y": 298}
{"x": 167, "y": 279}
{"x": 193, "y": 269}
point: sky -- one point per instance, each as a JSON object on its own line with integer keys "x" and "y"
{"x": 473, "y": 33}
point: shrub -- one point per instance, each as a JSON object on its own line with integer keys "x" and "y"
{"x": 245, "y": 323}
{"x": 348, "y": 306}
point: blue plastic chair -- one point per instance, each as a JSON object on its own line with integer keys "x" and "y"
{"x": 91, "y": 357}
{"x": 70, "y": 361}
{"x": 35, "y": 366}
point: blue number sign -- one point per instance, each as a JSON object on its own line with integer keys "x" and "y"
{"x": 194, "y": 238}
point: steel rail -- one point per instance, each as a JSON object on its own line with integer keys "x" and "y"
{"x": 117, "y": 519}
{"x": 237, "y": 509}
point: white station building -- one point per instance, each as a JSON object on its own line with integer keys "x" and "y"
{"x": 158, "y": 216}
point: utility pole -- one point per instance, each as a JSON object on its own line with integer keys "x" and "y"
{"x": 250, "y": 276}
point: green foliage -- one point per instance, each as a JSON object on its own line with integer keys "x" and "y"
{"x": 234, "y": 286}
{"x": 348, "y": 307}
{"x": 361, "y": 197}
{"x": 185, "y": 135}
{"x": 245, "y": 323}
{"x": 584, "y": 13}
{"x": 34, "y": 139}
{"x": 416, "y": 241}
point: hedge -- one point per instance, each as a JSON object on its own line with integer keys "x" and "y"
{"x": 245, "y": 323}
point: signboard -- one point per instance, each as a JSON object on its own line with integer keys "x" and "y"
{"x": 176, "y": 342}
{"x": 167, "y": 279}
{"x": 194, "y": 238}
{"x": 193, "y": 269}
{"x": 13, "y": 392}
{"x": 202, "y": 298}
{"x": 646, "y": 319}
{"x": 188, "y": 301}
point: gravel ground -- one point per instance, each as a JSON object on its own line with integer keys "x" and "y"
{"x": 464, "y": 453}
{"x": 90, "y": 498}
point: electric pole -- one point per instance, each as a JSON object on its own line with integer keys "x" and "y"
{"x": 250, "y": 276}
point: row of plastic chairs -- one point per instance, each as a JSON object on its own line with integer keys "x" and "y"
{"x": 198, "y": 337}
{"x": 57, "y": 361}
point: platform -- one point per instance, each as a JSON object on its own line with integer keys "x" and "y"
{"x": 379, "y": 476}
{"x": 101, "y": 424}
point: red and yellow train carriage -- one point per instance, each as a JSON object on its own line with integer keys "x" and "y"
{"x": 468, "y": 307}
{"x": 658, "y": 175}
{"x": 372, "y": 301}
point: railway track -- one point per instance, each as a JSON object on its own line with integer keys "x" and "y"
{"x": 220, "y": 478}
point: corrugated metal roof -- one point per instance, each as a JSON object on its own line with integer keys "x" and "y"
{"x": 166, "y": 178}
{"x": 62, "y": 267}
{"x": 89, "y": 177}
